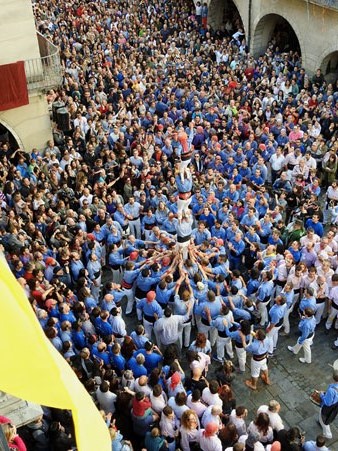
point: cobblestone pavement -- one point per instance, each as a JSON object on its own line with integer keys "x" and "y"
{"x": 292, "y": 384}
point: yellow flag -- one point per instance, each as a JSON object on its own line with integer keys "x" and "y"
{"x": 32, "y": 369}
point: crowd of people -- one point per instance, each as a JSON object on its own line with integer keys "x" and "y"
{"x": 190, "y": 209}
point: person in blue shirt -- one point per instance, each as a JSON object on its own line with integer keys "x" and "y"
{"x": 138, "y": 336}
{"x": 152, "y": 354}
{"x": 257, "y": 180}
{"x": 217, "y": 231}
{"x": 115, "y": 261}
{"x": 201, "y": 234}
{"x": 315, "y": 225}
{"x": 308, "y": 301}
{"x": 75, "y": 265}
{"x": 169, "y": 224}
{"x": 241, "y": 336}
{"x": 147, "y": 223}
{"x": 249, "y": 219}
{"x": 164, "y": 292}
{"x": 263, "y": 296}
{"x": 276, "y": 315}
{"x": 136, "y": 364}
{"x": 78, "y": 336}
{"x": 307, "y": 326}
{"x": 66, "y": 314}
{"x": 236, "y": 248}
{"x": 150, "y": 309}
{"x": 102, "y": 326}
{"x": 118, "y": 362}
{"x": 207, "y": 217}
{"x": 100, "y": 353}
{"x": 329, "y": 406}
{"x": 184, "y": 187}
{"x": 260, "y": 347}
{"x": 209, "y": 310}
{"x": 316, "y": 445}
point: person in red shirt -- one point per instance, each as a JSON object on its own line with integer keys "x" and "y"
{"x": 141, "y": 405}
{"x": 14, "y": 441}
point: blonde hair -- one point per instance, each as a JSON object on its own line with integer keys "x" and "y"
{"x": 9, "y": 431}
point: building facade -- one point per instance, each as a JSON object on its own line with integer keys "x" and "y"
{"x": 313, "y": 22}
{"x": 30, "y": 124}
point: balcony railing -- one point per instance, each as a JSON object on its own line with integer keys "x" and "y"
{"x": 44, "y": 73}
{"x": 333, "y": 4}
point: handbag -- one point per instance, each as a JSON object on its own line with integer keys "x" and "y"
{"x": 315, "y": 397}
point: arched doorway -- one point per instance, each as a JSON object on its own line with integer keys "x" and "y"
{"x": 329, "y": 67}
{"x": 7, "y": 135}
{"x": 275, "y": 31}
{"x": 224, "y": 15}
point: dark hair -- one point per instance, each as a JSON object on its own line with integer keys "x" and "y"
{"x": 262, "y": 422}
{"x": 196, "y": 395}
{"x": 181, "y": 398}
{"x": 245, "y": 327}
{"x": 213, "y": 387}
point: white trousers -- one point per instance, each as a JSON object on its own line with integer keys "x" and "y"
{"x": 263, "y": 310}
{"x": 148, "y": 329}
{"x": 273, "y": 334}
{"x": 183, "y": 247}
{"x": 332, "y": 316}
{"x": 319, "y": 312}
{"x": 241, "y": 356}
{"x": 220, "y": 344}
{"x": 326, "y": 427}
{"x": 182, "y": 205}
{"x": 306, "y": 345}
{"x": 129, "y": 292}
{"x": 286, "y": 321}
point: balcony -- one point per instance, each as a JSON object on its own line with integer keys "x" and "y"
{"x": 44, "y": 73}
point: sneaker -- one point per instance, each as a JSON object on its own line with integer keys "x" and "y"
{"x": 290, "y": 348}
{"x": 302, "y": 360}
{"x": 217, "y": 359}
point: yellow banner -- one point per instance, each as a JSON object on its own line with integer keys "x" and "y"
{"x": 32, "y": 369}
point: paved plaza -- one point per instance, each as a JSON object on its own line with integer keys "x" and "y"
{"x": 293, "y": 382}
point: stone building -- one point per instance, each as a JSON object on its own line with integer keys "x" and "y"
{"x": 29, "y": 125}
{"x": 310, "y": 26}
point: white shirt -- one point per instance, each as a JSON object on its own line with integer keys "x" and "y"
{"x": 212, "y": 443}
{"x": 197, "y": 407}
{"x": 158, "y": 403}
{"x": 168, "y": 328}
{"x": 208, "y": 417}
{"x": 275, "y": 420}
{"x": 106, "y": 400}
{"x": 238, "y": 422}
{"x": 178, "y": 410}
{"x": 144, "y": 388}
{"x": 277, "y": 162}
{"x": 211, "y": 399}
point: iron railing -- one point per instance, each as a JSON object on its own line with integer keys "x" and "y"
{"x": 333, "y": 4}
{"x": 44, "y": 73}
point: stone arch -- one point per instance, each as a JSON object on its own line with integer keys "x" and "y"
{"x": 217, "y": 13}
{"x": 12, "y": 135}
{"x": 329, "y": 65}
{"x": 265, "y": 27}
